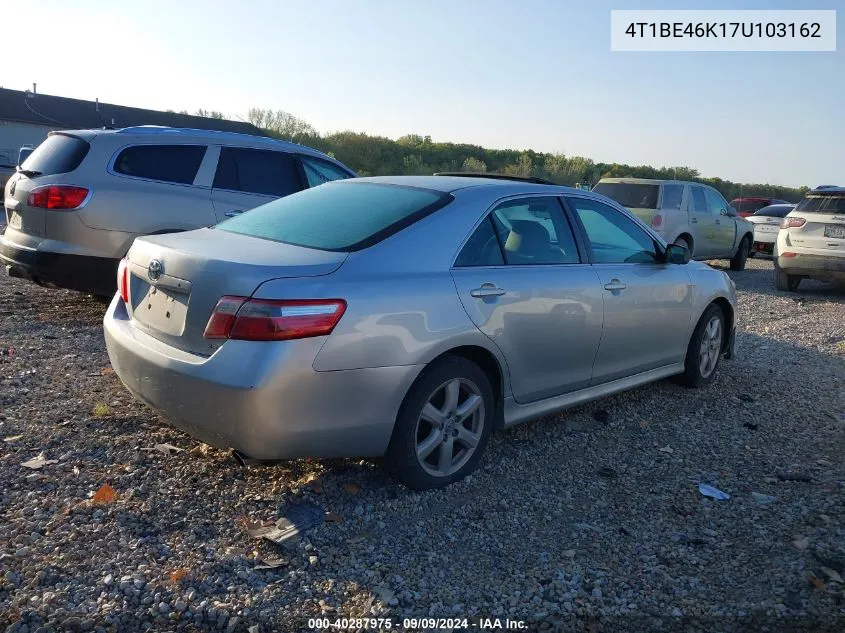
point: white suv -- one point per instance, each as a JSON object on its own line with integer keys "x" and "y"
{"x": 811, "y": 240}
{"x": 79, "y": 200}
{"x": 690, "y": 214}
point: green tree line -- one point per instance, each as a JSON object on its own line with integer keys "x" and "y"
{"x": 414, "y": 154}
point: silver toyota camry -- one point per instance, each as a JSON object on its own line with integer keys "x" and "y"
{"x": 408, "y": 317}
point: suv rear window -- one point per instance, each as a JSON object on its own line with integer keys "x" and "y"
{"x": 823, "y": 203}
{"x": 169, "y": 163}
{"x": 58, "y": 154}
{"x": 338, "y": 216}
{"x": 631, "y": 195}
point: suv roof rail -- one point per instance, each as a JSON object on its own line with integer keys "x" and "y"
{"x": 482, "y": 174}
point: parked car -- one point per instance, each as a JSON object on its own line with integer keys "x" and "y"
{"x": 748, "y": 206}
{"x": 811, "y": 240}
{"x": 81, "y": 198}
{"x": 766, "y": 223}
{"x": 408, "y": 317}
{"x": 689, "y": 214}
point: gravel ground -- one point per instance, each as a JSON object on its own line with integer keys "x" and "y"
{"x": 587, "y": 520}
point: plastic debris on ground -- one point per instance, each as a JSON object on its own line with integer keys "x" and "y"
{"x": 713, "y": 493}
{"x": 297, "y": 519}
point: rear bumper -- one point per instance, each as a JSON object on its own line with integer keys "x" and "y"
{"x": 822, "y": 267}
{"x": 97, "y": 275}
{"x": 263, "y": 399}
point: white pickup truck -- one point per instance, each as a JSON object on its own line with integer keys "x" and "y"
{"x": 687, "y": 213}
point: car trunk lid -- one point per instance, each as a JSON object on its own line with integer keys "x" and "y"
{"x": 175, "y": 280}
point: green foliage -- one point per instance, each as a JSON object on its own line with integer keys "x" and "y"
{"x": 418, "y": 154}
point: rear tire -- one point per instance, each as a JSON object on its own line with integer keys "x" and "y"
{"x": 738, "y": 260}
{"x": 704, "y": 350}
{"x": 785, "y": 282}
{"x": 443, "y": 425}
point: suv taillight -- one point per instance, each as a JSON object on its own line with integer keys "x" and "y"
{"x": 789, "y": 223}
{"x": 123, "y": 279}
{"x": 57, "y": 197}
{"x": 273, "y": 320}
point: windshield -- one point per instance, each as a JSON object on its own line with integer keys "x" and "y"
{"x": 339, "y": 215}
{"x": 823, "y": 203}
{"x": 775, "y": 211}
{"x": 631, "y": 195}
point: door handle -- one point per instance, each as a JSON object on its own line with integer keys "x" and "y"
{"x": 487, "y": 290}
{"x": 717, "y": 222}
{"x": 694, "y": 221}
{"x": 615, "y": 284}
{"x": 231, "y": 214}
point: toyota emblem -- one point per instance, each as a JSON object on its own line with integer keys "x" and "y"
{"x": 155, "y": 269}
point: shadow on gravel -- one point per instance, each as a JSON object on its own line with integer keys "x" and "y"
{"x": 762, "y": 280}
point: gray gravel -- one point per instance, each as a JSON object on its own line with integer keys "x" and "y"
{"x": 581, "y": 521}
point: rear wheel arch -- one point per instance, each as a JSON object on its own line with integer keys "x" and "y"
{"x": 490, "y": 365}
{"x": 728, "y": 313}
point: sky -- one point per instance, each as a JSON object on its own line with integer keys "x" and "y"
{"x": 535, "y": 74}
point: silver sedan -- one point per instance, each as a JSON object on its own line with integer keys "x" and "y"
{"x": 408, "y": 317}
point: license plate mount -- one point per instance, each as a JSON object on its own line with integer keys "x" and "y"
{"x": 835, "y": 231}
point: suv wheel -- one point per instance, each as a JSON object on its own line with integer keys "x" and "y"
{"x": 738, "y": 260}
{"x": 705, "y": 349}
{"x": 787, "y": 283}
{"x": 443, "y": 425}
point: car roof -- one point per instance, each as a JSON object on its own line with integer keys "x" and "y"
{"x": 448, "y": 184}
{"x": 158, "y": 132}
{"x": 650, "y": 181}
{"x": 828, "y": 189}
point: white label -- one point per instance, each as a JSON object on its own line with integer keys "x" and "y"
{"x": 705, "y": 30}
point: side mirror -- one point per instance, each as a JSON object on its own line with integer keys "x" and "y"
{"x": 731, "y": 212}
{"x": 676, "y": 254}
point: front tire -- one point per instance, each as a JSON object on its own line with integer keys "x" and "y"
{"x": 705, "y": 349}
{"x": 738, "y": 260}
{"x": 443, "y": 425}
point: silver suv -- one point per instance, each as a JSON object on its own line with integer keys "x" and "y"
{"x": 79, "y": 200}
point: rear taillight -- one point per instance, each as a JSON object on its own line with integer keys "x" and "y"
{"x": 657, "y": 222}
{"x": 123, "y": 279}
{"x": 790, "y": 223}
{"x": 57, "y": 197}
{"x": 273, "y": 320}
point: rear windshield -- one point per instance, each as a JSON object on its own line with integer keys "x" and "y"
{"x": 823, "y": 203}
{"x": 749, "y": 206}
{"x": 338, "y": 216}
{"x": 775, "y": 211}
{"x": 631, "y": 195}
{"x": 58, "y": 154}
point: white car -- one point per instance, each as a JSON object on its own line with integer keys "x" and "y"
{"x": 766, "y": 223}
{"x": 811, "y": 240}
{"x": 689, "y": 214}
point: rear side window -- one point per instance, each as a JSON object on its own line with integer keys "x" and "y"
{"x": 319, "y": 171}
{"x": 673, "y": 195}
{"x": 58, "y": 154}
{"x": 823, "y": 203}
{"x": 260, "y": 171}
{"x": 482, "y": 248}
{"x": 631, "y": 195}
{"x": 168, "y": 163}
{"x": 340, "y": 216}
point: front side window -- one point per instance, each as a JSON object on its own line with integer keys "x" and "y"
{"x": 168, "y": 163}
{"x": 698, "y": 201}
{"x": 319, "y": 171}
{"x": 716, "y": 205}
{"x": 673, "y": 195}
{"x": 260, "y": 171}
{"x": 534, "y": 231}
{"x": 614, "y": 237}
